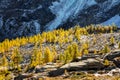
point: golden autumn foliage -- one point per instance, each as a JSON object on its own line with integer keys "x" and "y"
{"x": 3, "y": 65}
{"x": 61, "y": 57}
{"x": 75, "y": 51}
{"x": 112, "y": 40}
{"x": 101, "y": 29}
{"x": 54, "y": 53}
{"x": 95, "y": 52}
{"x": 4, "y": 61}
{"x": 48, "y": 55}
{"x": 106, "y": 62}
{"x": 45, "y": 51}
{"x": 106, "y": 49}
{"x": 36, "y": 58}
{"x": 119, "y": 45}
{"x": 60, "y": 36}
{"x": 16, "y": 58}
{"x": 71, "y": 53}
{"x": 84, "y": 48}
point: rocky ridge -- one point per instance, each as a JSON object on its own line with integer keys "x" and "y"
{"x": 29, "y": 17}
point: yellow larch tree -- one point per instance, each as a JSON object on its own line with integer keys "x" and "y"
{"x": 16, "y": 58}
{"x": 36, "y": 58}
{"x": 48, "y": 56}
{"x": 106, "y": 49}
{"x": 112, "y": 40}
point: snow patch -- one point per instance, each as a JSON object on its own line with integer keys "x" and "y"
{"x": 65, "y": 9}
{"x": 114, "y": 20}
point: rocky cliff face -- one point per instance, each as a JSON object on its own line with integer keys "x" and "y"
{"x": 28, "y": 17}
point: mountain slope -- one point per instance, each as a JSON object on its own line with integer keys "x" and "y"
{"x": 29, "y": 17}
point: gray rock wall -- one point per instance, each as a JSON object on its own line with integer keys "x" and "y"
{"x": 28, "y": 17}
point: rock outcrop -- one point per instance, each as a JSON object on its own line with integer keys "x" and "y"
{"x": 88, "y": 64}
{"x": 114, "y": 56}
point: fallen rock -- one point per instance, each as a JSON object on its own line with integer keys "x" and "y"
{"x": 23, "y": 76}
{"x": 114, "y": 56}
{"x": 39, "y": 69}
{"x": 116, "y": 61}
{"x": 47, "y": 67}
{"x": 57, "y": 72}
{"x": 112, "y": 72}
{"x": 84, "y": 65}
{"x": 89, "y": 64}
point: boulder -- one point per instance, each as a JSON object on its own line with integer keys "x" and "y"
{"x": 23, "y": 76}
{"x": 84, "y": 65}
{"x": 45, "y": 68}
{"x": 113, "y": 56}
{"x": 88, "y": 64}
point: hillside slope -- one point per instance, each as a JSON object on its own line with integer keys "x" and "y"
{"x": 87, "y": 53}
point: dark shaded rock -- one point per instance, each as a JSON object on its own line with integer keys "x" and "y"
{"x": 117, "y": 62}
{"x": 114, "y": 56}
{"x": 110, "y": 56}
{"x": 23, "y": 76}
{"x": 100, "y": 1}
{"x": 46, "y": 68}
{"x": 23, "y": 17}
{"x": 57, "y": 72}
